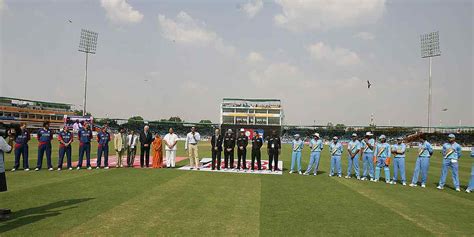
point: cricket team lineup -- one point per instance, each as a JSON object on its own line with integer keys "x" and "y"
{"x": 375, "y": 153}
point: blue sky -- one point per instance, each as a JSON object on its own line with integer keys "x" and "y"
{"x": 165, "y": 58}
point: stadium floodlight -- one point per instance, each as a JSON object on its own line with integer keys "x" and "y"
{"x": 430, "y": 49}
{"x": 87, "y": 45}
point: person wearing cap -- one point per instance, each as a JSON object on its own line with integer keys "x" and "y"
{"x": 425, "y": 150}
{"x": 382, "y": 159}
{"x": 451, "y": 155}
{"x": 257, "y": 143}
{"x": 297, "y": 145}
{"x": 192, "y": 139}
{"x": 367, "y": 150}
{"x": 335, "y": 149}
{"x": 229, "y": 144}
{"x": 85, "y": 137}
{"x": 242, "y": 142}
{"x": 103, "y": 139}
{"x": 353, "y": 149}
{"x": 398, "y": 151}
{"x": 21, "y": 148}
{"x": 65, "y": 138}
{"x": 315, "y": 146}
{"x": 45, "y": 135}
{"x": 216, "y": 149}
{"x": 470, "y": 187}
{"x": 273, "y": 150}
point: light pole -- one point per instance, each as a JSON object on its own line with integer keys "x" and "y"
{"x": 430, "y": 49}
{"x": 87, "y": 45}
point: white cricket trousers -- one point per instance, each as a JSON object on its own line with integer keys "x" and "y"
{"x": 170, "y": 158}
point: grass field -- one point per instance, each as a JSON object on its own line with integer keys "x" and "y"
{"x": 174, "y": 202}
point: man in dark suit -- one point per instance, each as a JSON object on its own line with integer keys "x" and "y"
{"x": 145, "y": 140}
{"x": 216, "y": 148}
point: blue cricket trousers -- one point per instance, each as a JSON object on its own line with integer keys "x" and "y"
{"x": 336, "y": 165}
{"x": 471, "y": 183}
{"x": 422, "y": 164}
{"x": 84, "y": 148}
{"x": 65, "y": 151}
{"x": 454, "y": 166}
{"x": 314, "y": 161}
{"x": 42, "y": 148}
{"x": 367, "y": 160}
{"x": 103, "y": 149}
{"x": 296, "y": 158}
{"x": 381, "y": 164}
{"x": 399, "y": 165}
{"x": 21, "y": 150}
{"x": 353, "y": 162}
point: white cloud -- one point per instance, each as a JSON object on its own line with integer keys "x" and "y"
{"x": 252, "y": 7}
{"x": 365, "y": 36}
{"x": 119, "y": 11}
{"x": 337, "y": 56}
{"x": 3, "y": 5}
{"x": 186, "y": 30}
{"x": 279, "y": 75}
{"x": 301, "y": 15}
{"x": 254, "y": 58}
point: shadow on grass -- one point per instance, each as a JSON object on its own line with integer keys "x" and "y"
{"x": 31, "y": 215}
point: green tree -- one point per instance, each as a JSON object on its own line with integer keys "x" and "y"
{"x": 205, "y": 121}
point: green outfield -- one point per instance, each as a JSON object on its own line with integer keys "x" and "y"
{"x": 175, "y": 202}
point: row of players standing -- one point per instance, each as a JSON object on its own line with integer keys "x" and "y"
{"x": 228, "y": 143}
{"x": 124, "y": 144}
{"x": 376, "y": 156}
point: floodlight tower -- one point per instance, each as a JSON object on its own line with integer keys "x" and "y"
{"x": 87, "y": 45}
{"x": 430, "y": 49}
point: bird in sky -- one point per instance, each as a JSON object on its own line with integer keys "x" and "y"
{"x": 70, "y": 21}
{"x": 445, "y": 109}
{"x": 368, "y": 84}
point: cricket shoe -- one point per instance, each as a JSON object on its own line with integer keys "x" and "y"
{"x": 299, "y": 172}
{"x": 358, "y": 177}
{"x": 89, "y": 168}
{"x": 50, "y": 169}
{"x": 106, "y": 168}
{"x": 458, "y": 189}
{"x": 78, "y": 168}
{"x": 340, "y": 176}
{"x": 37, "y": 169}
{"x": 315, "y": 174}
{"x": 27, "y": 169}
{"x": 347, "y": 177}
{"x": 97, "y": 168}
{"x": 330, "y": 175}
{"x": 423, "y": 185}
{"x": 70, "y": 168}
{"x": 59, "y": 169}
{"x": 413, "y": 185}
{"x": 13, "y": 170}
{"x": 393, "y": 182}
{"x": 388, "y": 182}
{"x": 291, "y": 172}
{"x": 468, "y": 191}
{"x": 440, "y": 187}
{"x": 363, "y": 178}
{"x": 306, "y": 173}
{"x": 404, "y": 184}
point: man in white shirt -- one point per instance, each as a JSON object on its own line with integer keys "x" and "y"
{"x": 132, "y": 140}
{"x": 191, "y": 146}
{"x": 170, "y": 140}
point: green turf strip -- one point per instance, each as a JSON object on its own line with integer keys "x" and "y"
{"x": 185, "y": 203}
